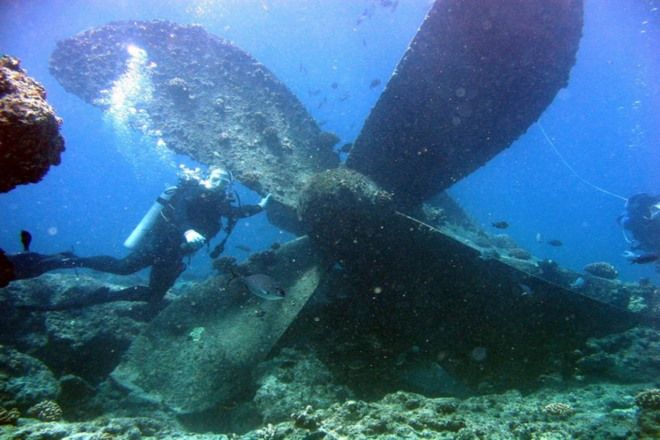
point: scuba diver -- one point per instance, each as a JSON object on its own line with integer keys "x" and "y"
{"x": 182, "y": 220}
{"x": 641, "y": 219}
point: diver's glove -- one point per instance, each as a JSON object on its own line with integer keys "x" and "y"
{"x": 264, "y": 202}
{"x": 194, "y": 240}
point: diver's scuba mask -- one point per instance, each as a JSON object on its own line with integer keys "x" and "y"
{"x": 218, "y": 180}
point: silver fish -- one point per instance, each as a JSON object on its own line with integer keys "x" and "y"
{"x": 263, "y": 286}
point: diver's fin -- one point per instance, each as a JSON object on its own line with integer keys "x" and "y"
{"x": 33, "y": 264}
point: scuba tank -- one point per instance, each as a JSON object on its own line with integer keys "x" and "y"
{"x": 142, "y": 229}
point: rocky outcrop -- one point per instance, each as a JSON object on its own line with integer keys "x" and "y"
{"x": 30, "y": 140}
{"x": 293, "y": 380}
{"x": 631, "y": 356}
{"x": 86, "y": 342}
{"x": 24, "y": 380}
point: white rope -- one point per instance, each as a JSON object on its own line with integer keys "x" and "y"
{"x": 572, "y": 170}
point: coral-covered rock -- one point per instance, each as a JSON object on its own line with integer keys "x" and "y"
{"x": 623, "y": 357}
{"x": 293, "y": 381}
{"x": 30, "y": 140}
{"x": 24, "y": 380}
{"x": 87, "y": 342}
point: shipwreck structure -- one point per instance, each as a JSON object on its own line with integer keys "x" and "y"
{"x": 474, "y": 78}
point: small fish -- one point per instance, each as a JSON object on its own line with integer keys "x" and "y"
{"x": 334, "y": 85}
{"x": 263, "y": 286}
{"x": 392, "y": 4}
{"x": 242, "y": 247}
{"x": 26, "y": 239}
{"x": 500, "y": 225}
{"x": 374, "y": 83}
{"x": 645, "y": 258}
{"x": 538, "y": 237}
{"x": 302, "y": 68}
{"x": 314, "y": 92}
{"x": 629, "y": 255}
{"x": 555, "y": 243}
{"x": 323, "y": 102}
{"x": 526, "y": 290}
{"x": 655, "y": 211}
{"x": 579, "y": 284}
{"x": 366, "y": 14}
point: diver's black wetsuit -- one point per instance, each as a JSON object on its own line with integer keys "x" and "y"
{"x": 164, "y": 248}
{"x": 643, "y": 222}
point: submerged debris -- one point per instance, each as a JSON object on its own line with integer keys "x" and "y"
{"x": 500, "y": 224}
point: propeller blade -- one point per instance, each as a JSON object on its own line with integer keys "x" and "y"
{"x": 199, "y": 95}
{"x": 475, "y": 77}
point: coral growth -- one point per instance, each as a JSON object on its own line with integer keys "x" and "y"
{"x": 558, "y": 410}
{"x": 46, "y": 411}
{"x": 9, "y": 416}
{"x": 602, "y": 269}
{"x": 649, "y": 399}
{"x": 520, "y": 254}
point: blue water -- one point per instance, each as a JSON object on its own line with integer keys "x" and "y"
{"x": 605, "y": 123}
